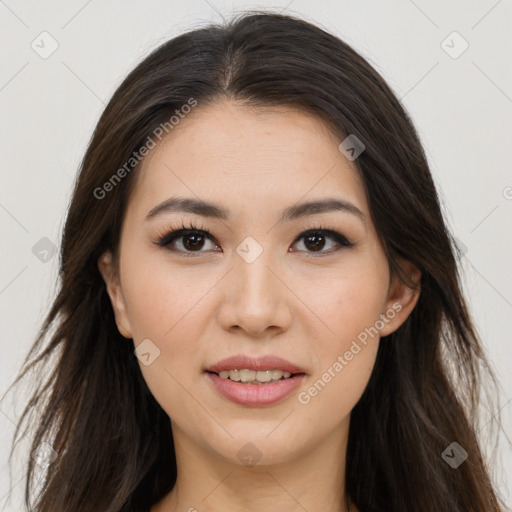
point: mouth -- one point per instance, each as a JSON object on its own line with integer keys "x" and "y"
{"x": 255, "y": 382}
{"x": 260, "y": 377}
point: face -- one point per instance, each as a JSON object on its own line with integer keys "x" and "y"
{"x": 253, "y": 284}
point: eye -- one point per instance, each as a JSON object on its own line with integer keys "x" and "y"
{"x": 315, "y": 240}
{"x": 192, "y": 239}
{"x": 189, "y": 239}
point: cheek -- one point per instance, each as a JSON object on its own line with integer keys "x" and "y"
{"x": 167, "y": 306}
{"x": 162, "y": 297}
{"x": 349, "y": 307}
{"x": 344, "y": 361}
{"x": 347, "y": 303}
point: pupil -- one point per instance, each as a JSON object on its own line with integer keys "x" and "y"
{"x": 316, "y": 245}
{"x": 195, "y": 243}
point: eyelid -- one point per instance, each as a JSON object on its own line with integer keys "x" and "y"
{"x": 330, "y": 231}
{"x": 165, "y": 236}
{"x": 164, "y": 239}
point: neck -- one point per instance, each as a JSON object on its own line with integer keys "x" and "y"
{"x": 308, "y": 480}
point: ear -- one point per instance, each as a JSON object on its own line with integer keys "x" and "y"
{"x": 401, "y": 299}
{"x": 106, "y": 268}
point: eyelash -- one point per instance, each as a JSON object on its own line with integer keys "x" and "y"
{"x": 164, "y": 239}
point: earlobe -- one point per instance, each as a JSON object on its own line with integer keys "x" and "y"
{"x": 113, "y": 285}
{"x": 402, "y": 299}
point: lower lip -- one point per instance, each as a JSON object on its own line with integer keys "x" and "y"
{"x": 255, "y": 395}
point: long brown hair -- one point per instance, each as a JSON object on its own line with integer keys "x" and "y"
{"x": 114, "y": 441}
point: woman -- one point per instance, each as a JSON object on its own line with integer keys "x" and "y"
{"x": 260, "y": 305}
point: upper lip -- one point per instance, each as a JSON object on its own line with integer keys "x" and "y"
{"x": 241, "y": 362}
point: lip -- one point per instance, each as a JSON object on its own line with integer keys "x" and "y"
{"x": 241, "y": 362}
{"x": 255, "y": 395}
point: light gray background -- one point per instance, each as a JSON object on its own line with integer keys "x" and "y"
{"x": 461, "y": 106}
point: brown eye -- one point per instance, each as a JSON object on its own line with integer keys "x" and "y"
{"x": 193, "y": 242}
{"x": 190, "y": 241}
{"x": 186, "y": 240}
{"x": 315, "y": 240}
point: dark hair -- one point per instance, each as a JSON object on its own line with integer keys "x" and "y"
{"x": 114, "y": 441}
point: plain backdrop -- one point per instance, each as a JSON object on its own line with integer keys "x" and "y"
{"x": 449, "y": 63}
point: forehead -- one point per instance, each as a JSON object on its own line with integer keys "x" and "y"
{"x": 254, "y": 161}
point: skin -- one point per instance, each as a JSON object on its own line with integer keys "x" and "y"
{"x": 298, "y": 305}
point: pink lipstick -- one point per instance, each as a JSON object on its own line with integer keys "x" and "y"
{"x": 255, "y": 382}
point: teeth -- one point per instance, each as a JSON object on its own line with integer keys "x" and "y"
{"x": 262, "y": 376}
{"x": 247, "y": 375}
{"x": 233, "y": 375}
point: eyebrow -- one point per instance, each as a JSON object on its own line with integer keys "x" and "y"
{"x": 211, "y": 210}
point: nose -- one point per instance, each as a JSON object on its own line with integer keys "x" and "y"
{"x": 256, "y": 298}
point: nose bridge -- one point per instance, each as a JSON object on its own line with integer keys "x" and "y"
{"x": 252, "y": 270}
{"x": 256, "y": 298}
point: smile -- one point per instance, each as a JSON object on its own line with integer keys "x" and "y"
{"x": 255, "y": 377}
{"x": 254, "y": 381}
